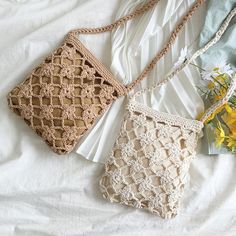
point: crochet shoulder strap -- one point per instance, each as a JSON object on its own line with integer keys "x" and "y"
{"x": 221, "y": 102}
{"x": 139, "y": 11}
{"x": 135, "y": 13}
{"x": 174, "y": 72}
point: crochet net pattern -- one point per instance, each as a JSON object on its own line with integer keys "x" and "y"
{"x": 149, "y": 164}
{"x": 62, "y": 97}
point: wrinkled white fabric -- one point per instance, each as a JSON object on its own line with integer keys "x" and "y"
{"x": 43, "y": 194}
{"x": 133, "y": 46}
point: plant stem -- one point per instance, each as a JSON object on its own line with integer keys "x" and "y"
{"x": 218, "y": 82}
{"x": 197, "y": 66}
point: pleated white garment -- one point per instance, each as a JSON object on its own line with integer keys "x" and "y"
{"x": 132, "y": 47}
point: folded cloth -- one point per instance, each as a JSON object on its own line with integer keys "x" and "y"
{"x": 133, "y": 46}
{"x": 225, "y": 48}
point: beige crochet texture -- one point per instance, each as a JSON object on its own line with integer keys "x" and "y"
{"x": 149, "y": 163}
{"x": 62, "y": 98}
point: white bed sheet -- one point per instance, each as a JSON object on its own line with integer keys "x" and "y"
{"x": 44, "y": 194}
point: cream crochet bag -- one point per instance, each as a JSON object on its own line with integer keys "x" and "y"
{"x": 149, "y": 163}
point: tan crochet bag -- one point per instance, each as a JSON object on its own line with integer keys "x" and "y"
{"x": 149, "y": 163}
{"x": 62, "y": 98}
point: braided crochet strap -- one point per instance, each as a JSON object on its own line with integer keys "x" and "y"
{"x": 119, "y": 22}
{"x": 174, "y": 72}
{"x": 167, "y": 46}
{"x": 221, "y": 102}
{"x": 132, "y": 15}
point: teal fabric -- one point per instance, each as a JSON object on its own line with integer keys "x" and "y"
{"x": 225, "y": 49}
{"x": 217, "y": 10}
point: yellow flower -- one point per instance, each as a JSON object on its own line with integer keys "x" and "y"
{"x": 233, "y": 129}
{"x": 217, "y": 70}
{"x": 221, "y": 94}
{"x": 221, "y": 78}
{"x": 228, "y": 108}
{"x": 220, "y": 135}
{"x": 230, "y": 117}
{"x": 231, "y": 141}
{"x": 211, "y": 85}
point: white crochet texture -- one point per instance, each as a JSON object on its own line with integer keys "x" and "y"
{"x": 149, "y": 163}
